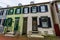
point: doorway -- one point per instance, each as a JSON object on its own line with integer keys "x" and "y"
{"x": 24, "y": 26}
{"x": 34, "y": 24}
{"x": 16, "y": 25}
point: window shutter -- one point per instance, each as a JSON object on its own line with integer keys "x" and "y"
{"x": 31, "y": 9}
{"x": 49, "y": 22}
{"x": 28, "y": 10}
{"x": 40, "y": 23}
{"x": 23, "y": 10}
{"x": 36, "y": 9}
{"x": 39, "y": 8}
{"x": 46, "y": 8}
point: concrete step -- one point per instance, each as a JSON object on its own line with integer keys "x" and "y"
{"x": 36, "y": 35}
{"x": 9, "y": 35}
{"x": 10, "y": 32}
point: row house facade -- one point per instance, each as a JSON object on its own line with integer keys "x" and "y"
{"x": 32, "y": 20}
{"x": 2, "y": 18}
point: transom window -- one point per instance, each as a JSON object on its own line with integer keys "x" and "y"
{"x": 18, "y": 11}
{"x": 26, "y": 10}
{"x": 34, "y": 9}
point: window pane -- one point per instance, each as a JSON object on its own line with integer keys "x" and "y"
{"x": 45, "y": 24}
{"x": 26, "y": 10}
{"x": 42, "y": 8}
{"x": 7, "y": 11}
{"x": 18, "y": 11}
{"x": 34, "y": 9}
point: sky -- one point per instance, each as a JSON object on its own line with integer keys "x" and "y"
{"x": 4, "y": 3}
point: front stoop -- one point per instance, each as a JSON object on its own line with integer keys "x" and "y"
{"x": 36, "y": 35}
{"x": 9, "y": 34}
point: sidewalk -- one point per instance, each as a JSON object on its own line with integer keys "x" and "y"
{"x": 2, "y": 37}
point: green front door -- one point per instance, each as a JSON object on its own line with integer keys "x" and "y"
{"x": 16, "y": 24}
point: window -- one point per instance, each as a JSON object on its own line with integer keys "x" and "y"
{"x": 26, "y": 10}
{"x": 18, "y": 11}
{"x": 4, "y": 22}
{"x": 43, "y": 8}
{"x": 10, "y": 11}
{"x": 1, "y": 12}
{"x": 34, "y": 9}
{"x": 45, "y": 22}
{"x": 7, "y": 11}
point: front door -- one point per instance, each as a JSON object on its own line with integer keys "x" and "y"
{"x": 24, "y": 26}
{"x": 16, "y": 24}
